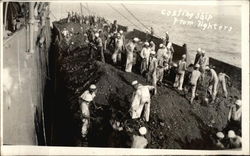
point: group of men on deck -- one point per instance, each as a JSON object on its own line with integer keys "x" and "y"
{"x": 153, "y": 66}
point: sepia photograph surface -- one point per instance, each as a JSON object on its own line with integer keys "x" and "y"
{"x": 125, "y": 76}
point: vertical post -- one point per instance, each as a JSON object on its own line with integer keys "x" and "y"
{"x": 5, "y": 18}
{"x": 31, "y": 27}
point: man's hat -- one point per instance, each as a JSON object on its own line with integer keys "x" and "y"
{"x": 134, "y": 82}
{"x": 197, "y": 66}
{"x": 220, "y": 135}
{"x": 207, "y": 68}
{"x": 136, "y": 39}
{"x": 146, "y": 43}
{"x": 231, "y": 134}
{"x": 199, "y": 50}
{"x": 175, "y": 65}
{"x": 96, "y": 34}
{"x": 238, "y": 102}
{"x": 143, "y": 130}
{"x": 92, "y": 87}
{"x": 152, "y": 52}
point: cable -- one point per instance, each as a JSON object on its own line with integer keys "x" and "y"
{"x": 135, "y": 17}
{"x": 87, "y": 8}
{"x": 52, "y": 14}
{"x": 123, "y": 16}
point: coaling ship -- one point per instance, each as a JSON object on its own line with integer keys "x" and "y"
{"x": 43, "y": 77}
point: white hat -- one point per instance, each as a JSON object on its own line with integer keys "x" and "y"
{"x": 231, "y": 134}
{"x": 199, "y": 49}
{"x": 238, "y": 102}
{"x": 207, "y": 68}
{"x": 146, "y": 43}
{"x": 220, "y": 135}
{"x": 92, "y": 86}
{"x": 166, "y": 32}
{"x": 203, "y": 52}
{"x": 184, "y": 56}
{"x": 197, "y": 66}
{"x": 121, "y": 32}
{"x": 175, "y": 65}
{"x": 161, "y": 45}
{"x": 136, "y": 39}
{"x": 96, "y": 34}
{"x": 118, "y": 35}
{"x": 152, "y": 52}
{"x": 134, "y": 82}
{"x": 143, "y": 130}
{"x": 151, "y": 42}
{"x": 87, "y": 97}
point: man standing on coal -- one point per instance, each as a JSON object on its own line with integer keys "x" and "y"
{"x": 130, "y": 54}
{"x": 197, "y": 56}
{"x": 141, "y": 99}
{"x": 114, "y": 27}
{"x": 213, "y": 83}
{"x": 99, "y": 47}
{"x": 85, "y": 99}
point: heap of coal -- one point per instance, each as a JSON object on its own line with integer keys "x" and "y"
{"x": 174, "y": 123}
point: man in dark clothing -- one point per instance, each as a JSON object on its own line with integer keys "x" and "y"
{"x": 152, "y": 31}
{"x": 91, "y": 38}
{"x": 166, "y": 39}
{"x": 197, "y": 56}
{"x": 114, "y": 27}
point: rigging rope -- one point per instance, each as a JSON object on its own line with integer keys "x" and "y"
{"x": 81, "y": 9}
{"x": 134, "y": 17}
{"x": 123, "y": 16}
{"x": 87, "y": 7}
{"x": 52, "y": 14}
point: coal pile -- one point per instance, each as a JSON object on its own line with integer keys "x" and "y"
{"x": 174, "y": 123}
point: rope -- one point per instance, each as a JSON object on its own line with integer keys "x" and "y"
{"x": 135, "y": 17}
{"x": 52, "y": 14}
{"x": 123, "y": 16}
{"x": 87, "y": 8}
{"x": 90, "y": 11}
{"x": 81, "y": 9}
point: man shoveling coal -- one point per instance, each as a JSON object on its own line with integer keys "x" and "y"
{"x": 85, "y": 99}
{"x": 141, "y": 99}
